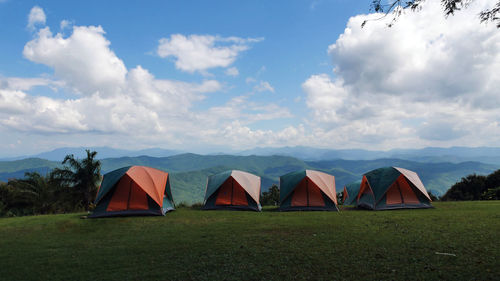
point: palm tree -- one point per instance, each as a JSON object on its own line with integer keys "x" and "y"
{"x": 34, "y": 192}
{"x": 83, "y": 175}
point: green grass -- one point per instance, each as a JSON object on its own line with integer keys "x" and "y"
{"x": 221, "y": 245}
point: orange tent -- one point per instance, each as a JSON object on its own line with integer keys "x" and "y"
{"x": 135, "y": 190}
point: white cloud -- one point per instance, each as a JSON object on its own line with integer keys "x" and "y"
{"x": 411, "y": 85}
{"x": 112, "y": 102}
{"x": 35, "y": 17}
{"x": 263, "y": 86}
{"x": 250, "y": 80}
{"x": 238, "y": 136}
{"x": 232, "y": 71}
{"x": 202, "y": 52}
{"x": 65, "y": 24}
{"x": 84, "y": 59}
{"x": 24, "y": 84}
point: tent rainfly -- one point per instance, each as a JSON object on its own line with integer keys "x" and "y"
{"x": 351, "y": 192}
{"x": 392, "y": 188}
{"x": 232, "y": 190}
{"x": 307, "y": 190}
{"x": 134, "y": 190}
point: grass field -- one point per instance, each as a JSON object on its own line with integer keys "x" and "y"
{"x": 221, "y": 245}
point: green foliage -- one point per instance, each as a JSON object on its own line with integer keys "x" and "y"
{"x": 450, "y": 7}
{"x": 182, "y": 205}
{"x": 469, "y": 188}
{"x": 221, "y": 245}
{"x": 475, "y": 187}
{"x": 340, "y": 198}
{"x": 69, "y": 189}
{"x": 493, "y": 179}
{"x": 271, "y": 197}
{"x": 491, "y": 194}
{"x": 35, "y": 195}
{"x": 82, "y": 175}
{"x": 197, "y": 205}
{"x": 433, "y": 197}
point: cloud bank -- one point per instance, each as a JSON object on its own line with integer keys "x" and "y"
{"x": 428, "y": 80}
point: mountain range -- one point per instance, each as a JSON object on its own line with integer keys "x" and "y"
{"x": 489, "y": 155}
{"x": 102, "y": 152}
{"x": 189, "y": 171}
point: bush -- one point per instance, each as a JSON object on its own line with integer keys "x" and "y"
{"x": 491, "y": 194}
{"x": 197, "y": 205}
{"x": 271, "y": 197}
{"x": 433, "y": 197}
{"x": 469, "y": 188}
{"x": 182, "y": 204}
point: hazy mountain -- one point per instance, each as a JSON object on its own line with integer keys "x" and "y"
{"x": 29, "y": 163}
{"x": 311, "y": 153}
{"x": 189, "y": 172}
{"x": 102, "y": 152}
{"x": 489, "y": 155}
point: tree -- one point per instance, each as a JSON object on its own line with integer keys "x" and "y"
{"x": 493, "y": 180}
{"x": 34, "y": 194}
{"x": 82, "y": 175}
{"x": 396, "y": 7}
{"x": 3, "y": 199}
{"x": 340, "y": 198}
{"x": 433, "y": 197}
{"x": 492, "y": 185}
{"x": 469, "y": 188}
{"x": 271, "y": 197}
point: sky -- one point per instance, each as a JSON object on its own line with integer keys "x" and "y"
{"x": 223, "y": 76}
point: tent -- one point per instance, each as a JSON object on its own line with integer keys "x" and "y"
{"x": 134, "y": 190}
{"x": 307, "y": 190}
{"x": 232, "y": 190}
{"x": 392, "y": 188}
{"x": 351, "y": 192}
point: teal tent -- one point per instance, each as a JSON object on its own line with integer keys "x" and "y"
{"x": 135, "y": 190}
{"x": 351, "y": 192}
{"x": 232, "y": 190}
{"x": 307, "y": 190}
{"x": 392, "y": 188}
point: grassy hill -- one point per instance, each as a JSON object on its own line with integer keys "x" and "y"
{"x": 194, "y": 162}
{"x": 26, "y": 164}
{"x": 189, "y": 172}
{"x": 454, "y": 241}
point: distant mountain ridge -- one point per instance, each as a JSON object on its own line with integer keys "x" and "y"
{"x": 102, "y": 152}
{"x": 189, "y": 171}
{"x": 490, "y": 155}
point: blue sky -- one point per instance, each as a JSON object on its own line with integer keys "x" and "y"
{"x": 208, "y": 76}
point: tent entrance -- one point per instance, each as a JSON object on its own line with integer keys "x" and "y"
{"x": 400, "y": 192}
{"x": 128, "y": 196}
{"x": 231, "y": 193}
{"x": 307, "y": 193}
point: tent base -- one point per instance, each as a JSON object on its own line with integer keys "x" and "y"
{"x": 395, "y": 207}
{"x": 232, "y": 208}
{"x": 305, "y": 208}
{"x": 129, "y": 213}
